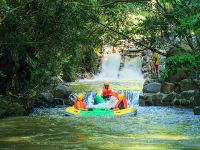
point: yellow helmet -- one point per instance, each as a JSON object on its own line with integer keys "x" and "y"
{"x": 80, "y": 96}
{"x": 120, "y": 96}
{"x": 106, "y": 84}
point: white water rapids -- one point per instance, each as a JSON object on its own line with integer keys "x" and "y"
{"x": 129, "y": 72}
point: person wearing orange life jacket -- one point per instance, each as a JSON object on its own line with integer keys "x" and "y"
{"x": 79, "y": 104}
{"x": 122, "y": 102}
{"x": 106, "y": 92}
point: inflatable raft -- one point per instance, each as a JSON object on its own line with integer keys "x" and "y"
{"x": 100, "y": 112}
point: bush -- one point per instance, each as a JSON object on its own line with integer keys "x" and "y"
{"x": 187, "y": 62}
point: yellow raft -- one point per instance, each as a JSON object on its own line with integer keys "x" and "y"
{"x": 100, "y": 112}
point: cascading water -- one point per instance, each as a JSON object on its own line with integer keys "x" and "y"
{"x": 111, "y": 71}
{"x": 110, "y": 67}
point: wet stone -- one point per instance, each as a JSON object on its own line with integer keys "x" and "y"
{"x": 196, "y": 110}
{"x": 152, "y": 87}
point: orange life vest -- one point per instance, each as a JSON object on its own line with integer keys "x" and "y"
{"x": 82, "y": 104}
{"x": 123, "y": 101}
{"x": 107, "y": 92}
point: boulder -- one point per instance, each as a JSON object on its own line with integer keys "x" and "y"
{"x": 146, "y": 75}
{"x": 87, "y": 75}
{"x": 197, "y": 82}
{"x": 174, "y": 77}
{"x": 167, "y": 87}
{"x": 144, "y": 53}
{"x": 147, "y": 81}
{"x": 152, "y": 87}
{"x": 141, "y": 102}
{"x": 145, "y": 58}
{"x": 197, "y": 98}
{"x": 146, "y": 100}
{"x": 187, "y": 84}
{"x": 144, "y": 63}
{"x": 157, "y": 99}
{"x": 185, "y": 103}
{"x": 144, "y": 69}
{"x": 61, "y": 91}
{"x": 177, "y": 88}
{"x": 46, "y": 97}
{"x": 177, "y": 102}
{"x": 169, "y": 99}
{"x": 196, "y": 110}
{"x": 188, "y": 95}
{"x": 55, "y": 80}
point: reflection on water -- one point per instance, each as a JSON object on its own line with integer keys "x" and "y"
{"x": 153, "y": 128}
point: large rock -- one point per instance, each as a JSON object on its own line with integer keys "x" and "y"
{"x": 61, "y": 91}
{"x": 188, "y": 95}
{"x": 174, "y": 77}
{"x": 150, "y": 99}
{"x": 144, "y": 69}
{"x": 187, "y": 84}
{"x": 147, "y": 81}
{"x": 185, "y": 103}
{"x": 167, "y": 87}
{"x": 169, "y": 99}
{"x": 197, "y": 98}
{"x": 146, "y": 100}
{"x": 186, "y": 98}
{"x": 196, "y": 110}
{"x": 157, "y": 99}
{"x": 152, "y": 87}
{"x": 55, "y": 81}
{"x": 46, "y": 97}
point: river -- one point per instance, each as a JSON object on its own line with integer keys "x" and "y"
{"x": 153, "y": 128}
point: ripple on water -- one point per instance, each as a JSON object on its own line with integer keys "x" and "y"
{"x": 151, "y": 128}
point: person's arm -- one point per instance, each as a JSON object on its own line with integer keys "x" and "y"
{"x": 78, "y": 105}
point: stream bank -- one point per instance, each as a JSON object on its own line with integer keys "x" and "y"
{"x": 179, "y": 91}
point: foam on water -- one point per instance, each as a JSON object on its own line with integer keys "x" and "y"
{"x": 111, "y": 70}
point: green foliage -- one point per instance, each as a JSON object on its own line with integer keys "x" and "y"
{"x": 187, "y": 62}
{"x": 47, "y": 38}
{"x": 163, "y": 74}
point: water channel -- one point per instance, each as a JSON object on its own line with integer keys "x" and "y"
{"x": 153, "y": 128}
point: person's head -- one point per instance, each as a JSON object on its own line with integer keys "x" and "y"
{"x": 80, "y": 96}
{"x": 120, "y": 96}
{"x": 106, "y": 85}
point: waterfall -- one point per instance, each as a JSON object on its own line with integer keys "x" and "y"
{"x": 131, "y": 96}
{"x": 119, "y": 71}
{"x": 110, "y": 67}
{"x": 111, "y": 70}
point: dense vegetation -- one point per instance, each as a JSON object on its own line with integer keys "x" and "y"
{"x": 174, "y": 26}
{"x": 44, "y": 38}
{"x": 40, "y": 39}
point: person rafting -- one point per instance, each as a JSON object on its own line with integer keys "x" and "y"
{"x": 155, "y": 61}
{"x": 122, "y": 102}
{"x": 107, "y": 91}
{"x": 98, "y": 98}
{"x": 79, "y": 104}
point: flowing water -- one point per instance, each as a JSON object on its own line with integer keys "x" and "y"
{"x": 153, "y": 128}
